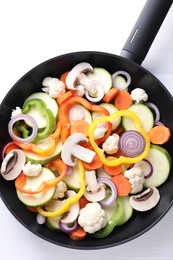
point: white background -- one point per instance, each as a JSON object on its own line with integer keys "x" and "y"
{"x": 34, "y": 31}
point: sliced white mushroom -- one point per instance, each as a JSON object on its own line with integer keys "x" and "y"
{"x": 13, "y": 164}
{"x": 146, "y": 200}
{"x": 73, "y": 210}
{"x": 72, "y": 78}
{"x": 95, "y": 191}
{"x": 94, "y": 89}
{"x": 72, "y": 150}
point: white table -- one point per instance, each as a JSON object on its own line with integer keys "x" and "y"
{"x": 34, "y": 31}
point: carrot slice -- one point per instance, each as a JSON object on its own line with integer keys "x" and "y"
{"x": 122, "y": 184}
{"x": 63, "y": 77}
{"x": 83, "y": 202}
{"x": 79, "y": 126}
{"x": 122, "y": 100}
{"x": 63, "y": 97}
{"x": 9, "y": 147}
{"x": 159, "y": 134}
{"x": 110, "y": 95}
{"x": 95, "y": 164}
{"x": 78, "y": 234}
{"x": 32, "y": 209}
{"x": 113, "y": 170}
{"x": 119, "y": 130}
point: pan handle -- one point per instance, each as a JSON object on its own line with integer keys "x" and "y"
{"x": 145, "y": 30}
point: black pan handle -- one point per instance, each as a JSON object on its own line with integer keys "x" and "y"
{"x": 145, "y": 30}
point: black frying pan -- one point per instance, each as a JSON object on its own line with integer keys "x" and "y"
{"x": 131, "y": 57}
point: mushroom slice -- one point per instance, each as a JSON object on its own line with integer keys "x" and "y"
{"x": 13, "y": 164}
{"x": 95, "y": 191}
{"x": 73, "y": 210}
{"x": 145, "y": 200}
{"x": 72, "y": 78}
{"x": 71, "y": 149}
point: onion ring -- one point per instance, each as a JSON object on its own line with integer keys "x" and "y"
{"x": 33, "y": 123}
{"x": 132, "y": 143}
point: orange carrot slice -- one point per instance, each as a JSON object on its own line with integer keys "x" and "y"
{"x": 122, "y": 184}
{"x": 122, "y": 100}
{"x": 159, "y": 134}
{"x": 79, "y": 126}
{"x": 63, "y": 97}
{"x": 94, "y": 165}
{"x": 78, "y": 234}
{"x": 63, "y": 77}
{"x": 83, "y": 202}
{"x": 9, "y": 147}
{"x": 110, "y": 95}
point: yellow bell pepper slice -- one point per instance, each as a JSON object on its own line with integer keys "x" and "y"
{"x": 71, "y": 200}
{"x": 121, "y": 159}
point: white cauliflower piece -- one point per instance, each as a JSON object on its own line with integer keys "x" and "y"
{"x": 139, "y": 95}
{"x": 32, "y": 170}
{"x": 80, "y": 90}
{"x": 15, "y": 112}
{"x": 136, "y": 178}
{"x": 110, "y": 146}
{"x": 99, "y": 132}
{"x": 92, "y": 217}
{"x": 61, "y": 188}
{"x": 53, "y": 86}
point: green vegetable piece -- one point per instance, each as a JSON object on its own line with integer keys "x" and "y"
{"x": 22, "y": 129}
{"x": 47, "y": 114}
{"x": 115, "y": 219}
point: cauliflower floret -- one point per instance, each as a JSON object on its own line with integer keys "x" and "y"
{"x": 16, "y": 112}
{"x": 136, "y": 178}
{"x": 99, "y": 132}
{"x": 110, "y": 146}
{"x": 61, "y": 188}
{"x": 80, "y": 90}
{"x": 92, "y": 217}
{"x": 53, "y": 86}
{"x": 139, "y": 95}
{"x": 32, "y": 169}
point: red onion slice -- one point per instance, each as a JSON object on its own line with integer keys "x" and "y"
{"x": 132, "y": 143}
{"x": 68, "y": 228}
{"x": 100, "y": 93}
{"x": 109, "y": 200}
{"x": 76, "y": 113}
{"x": 40, "y": 219}
{"x": 155, "y": 109}
{"x": 27, "y": 118}
{"x": 146, "y": 166}
{"x": 5, "y": 148}
{"x": 69, "y": 170}
{"x": 156, "y": 122}
{"x": 121, "y": 79}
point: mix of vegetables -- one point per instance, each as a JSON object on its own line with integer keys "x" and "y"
{"x": 85, "y": 152}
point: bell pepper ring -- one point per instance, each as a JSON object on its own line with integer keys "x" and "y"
{"x": 22, "y": 178}
{"x": 46, "y": 112}
{"x": 121, "y": 159}
{"x": 69, "y": 201}
{"x": 65, "y": 120}
{"x": 52, "y": 138}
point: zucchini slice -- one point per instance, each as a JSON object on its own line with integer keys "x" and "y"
{"x": 49, "y": 101}
{"x": 103, "y": 76}
{"x": 161, "y": 162}
{"x": 43, "y": 159}
{"x": 111, "y": 109}
{"x": 144, "y": 114}
{"x": 40, "y": 199}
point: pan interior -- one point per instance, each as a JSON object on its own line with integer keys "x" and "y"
{"x": 31, "y": 82}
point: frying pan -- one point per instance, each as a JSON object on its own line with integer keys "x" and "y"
{"x": 132, "y": 55}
